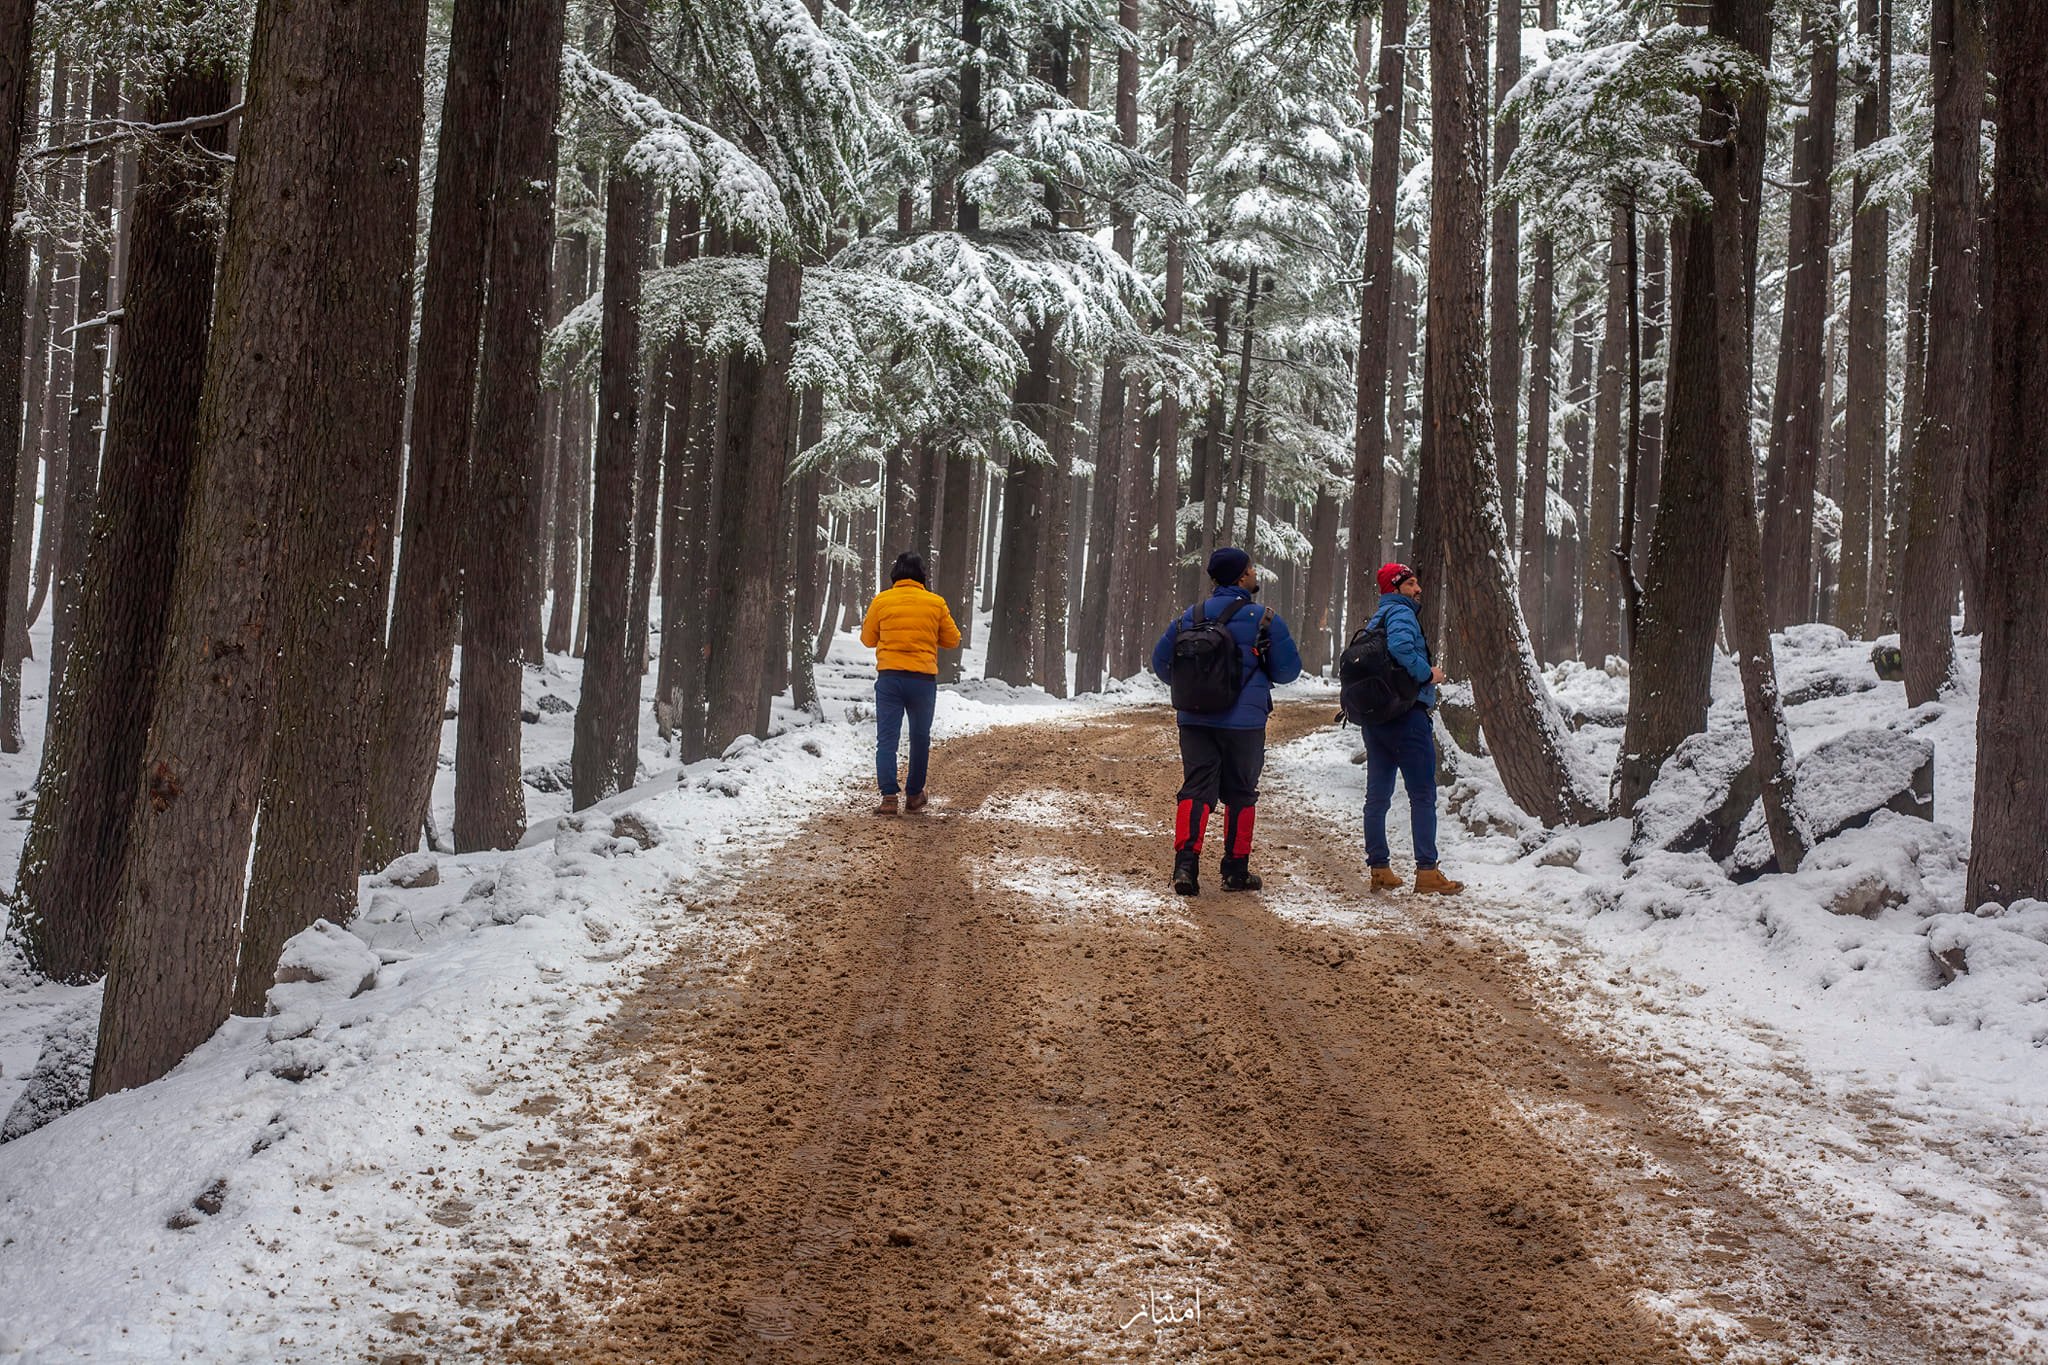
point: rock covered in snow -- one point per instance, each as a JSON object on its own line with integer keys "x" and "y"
{"x": 2008, "y": 943}
{"x": 329, "y": 956}
{"x": 547, "y": 777}
{"x": 1842, "y": 782}
{"x": 62, "y": 1075}
{"x": 411, "y": 872}
{"x": 1563, "y": 851}
{"x": 553, "y": 705}
{"x": 1699, "y": 798}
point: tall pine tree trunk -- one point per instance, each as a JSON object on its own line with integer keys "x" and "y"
{"x": 1504, "y": 333}
{"x": 1869, "y": 362}
{"x": 335, "y": 565}
{"x": 506, "y": 450}
{"x": 65, "y": 897}
{"x": 20, "y": 75}
{"x": 2008, "y": 856}
{"x": 744, "y": 617}
{"x": 1942, "y": 444}
{"x": 1536, "y": 459}
{"x": 88, "y": 377}
{"x": 605, "y": 707}
{"x": 1370, "y": 449}
{"x": 330, "y": 127}
{"x": 1793, "y": 464}
{"x": 424, "y": 606}
{"x": 1600, "y": 628}
{"x": 1530, "y": 744}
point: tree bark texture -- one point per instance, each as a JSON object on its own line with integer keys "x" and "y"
{"x": 2008, "y": 856}
{"x": 1504, "y": 333}
{"x": 1600, "y": 621}
{"x": 1869, "y": 344}
{"x": 428, "y": 598}
{"x": 506, "y": 449}
{"x": 1942, "y": 445}
{"x": 309, "y": 158}
{"x": 1370, "y": 449}
{"x": 1528, "y": 738}
{"x": 65, "y": 896}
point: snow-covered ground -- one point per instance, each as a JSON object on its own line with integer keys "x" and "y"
{"x": 327, "y": 1182}
{"x": 1872, "y": 1096}
{"x": 320, "y": 1184}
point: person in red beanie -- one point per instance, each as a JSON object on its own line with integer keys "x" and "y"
{"x": 1406, "y": 746}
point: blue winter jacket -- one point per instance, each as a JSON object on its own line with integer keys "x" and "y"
{"x": 1282, "y": 662}
{"x": 1405, "y": 641}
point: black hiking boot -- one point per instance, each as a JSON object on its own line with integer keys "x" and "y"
{"x": 1238, "y": 876}
{"x": 1186, "y": 867}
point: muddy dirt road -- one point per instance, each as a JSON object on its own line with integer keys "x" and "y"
{"x": 997, "y": 1094}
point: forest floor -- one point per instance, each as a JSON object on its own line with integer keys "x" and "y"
{"x": 991, "y": 1091}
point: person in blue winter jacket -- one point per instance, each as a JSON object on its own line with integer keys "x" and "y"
{"x": 1222, "y": 753}
{"x": 1405, "y": 747}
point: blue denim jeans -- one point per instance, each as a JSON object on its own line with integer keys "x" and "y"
{"x": 898, "y": 694}
{"x": 1406, "y": 747}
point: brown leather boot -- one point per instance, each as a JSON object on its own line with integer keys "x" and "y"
{"x": 915, "y": 802}
{"x": 887, "y": 806}
{"x": 1383, "y": 879}
{"x": 1433, "y": 879}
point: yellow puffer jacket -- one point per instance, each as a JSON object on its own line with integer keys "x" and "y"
{"x": 907, "y": 626}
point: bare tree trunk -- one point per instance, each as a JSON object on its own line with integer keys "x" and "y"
{"x": 88, "y": 378}
{"x": 1504, "y": 335}
{"x": 1370, "y": 449}
{"x": 1733, "y": 174}
{"x": 61, "y": 183}
{"x": 1793, "y": 464}
{"x": 1599, "y": 631}
{"x": 743, "y": 622}
{"x": 407, "y": 735}
{"x": 335, "y": 564}
{"x": 575, "y": 252}
{"x": 326, "y": 177}
{"x": 1166, "y": 486}
{"x": 1869, "y": 363}
{"x": 1528, "y": 739}
{"x": 506, "y": 450}
{"x": 1536, "y": 460}
{"x": 20, "y": 76}
{"x": 1010, "y": 631}
{"x": 605, "y": 707}
{"x": 2008, "y": 857}
{"x": 1941, "y": 446}
{"x": 1655, "y": 327}
{"x": 65, "y": 897}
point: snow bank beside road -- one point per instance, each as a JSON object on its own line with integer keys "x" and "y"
{"x": 1805, "y": 1020}
{"x": 331, "y": 1181}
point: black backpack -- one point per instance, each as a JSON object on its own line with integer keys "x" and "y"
{"x": 1208, "y": 668}
{"x": 1373, "y": 686}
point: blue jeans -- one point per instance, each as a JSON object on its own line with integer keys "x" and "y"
{"x": 1407, "y": 747}
{"x": 898, "y": 694}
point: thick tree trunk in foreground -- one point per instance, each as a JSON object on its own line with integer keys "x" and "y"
{"x": 742, "y": 623}
{"x": 1010, "y": 631}
{"x": 1869, "y": 341}
{"x": 424, "y": 608}
{"x": 335, "y": 562}
{"x": 506, "y": 451}
{"x": 280, "y": 363}
{"x": 1942, "y": 446}
{"x": 65, "y": 897}
{"x": 1529, "y": 742}
{"x": 2008, "y": 856}
{"x": 605, "y": 707}
{"x": 1800, "y": 416}
{"x": 1370, "y": 447}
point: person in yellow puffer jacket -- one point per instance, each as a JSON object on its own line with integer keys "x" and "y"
{"x": 906, "y": 626}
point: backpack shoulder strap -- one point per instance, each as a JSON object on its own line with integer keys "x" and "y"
{"x": 1229, "y": 612}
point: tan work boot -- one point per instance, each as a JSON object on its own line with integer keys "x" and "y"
{"x": 1383, "y": 879}
{"x": 1433, "y": 879}
{"x": 887, "y": 806}
{"x": 915, "y": 802}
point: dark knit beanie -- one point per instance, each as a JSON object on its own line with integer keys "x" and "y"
{"x": 908, "y": 565}
{"x": 1228, "y": 564}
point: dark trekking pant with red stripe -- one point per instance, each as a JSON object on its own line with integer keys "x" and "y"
{"x": 1218, "y": 764}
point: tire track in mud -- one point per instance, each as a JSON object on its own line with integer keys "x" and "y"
{"x": 996, "y": 1094}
